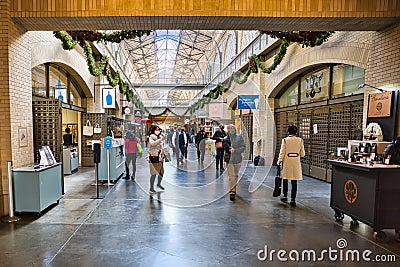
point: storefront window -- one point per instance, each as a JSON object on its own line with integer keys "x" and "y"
{"x": 290, "y": 96}
{"x": 62, "y": 85}
{"x": 38, "y": 81}
{"x": 346, "y": 79}
{"x": 315, "y": 86}
{"x": 58, "y": 83}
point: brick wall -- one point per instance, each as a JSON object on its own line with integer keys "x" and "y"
{"x": 384, "y": 63}
{"x": 5, "y": 127}
{"x": 16, "y": 100}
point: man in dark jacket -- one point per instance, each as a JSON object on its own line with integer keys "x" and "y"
{"x": 234, "y": 146}
{"x": 219, "y": 138}
{"x": 175, "y": 145}
{"x": 201, "y": 144}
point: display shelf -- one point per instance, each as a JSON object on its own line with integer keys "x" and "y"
{"x": 36, "y": 189}
{"x": 380, "y": 146}
{"x": 70, "y": 160}
{"x": 117, "y": 163}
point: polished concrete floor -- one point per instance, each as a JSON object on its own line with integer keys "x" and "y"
{"x": 192, "y": 223}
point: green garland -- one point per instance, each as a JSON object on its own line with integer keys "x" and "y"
{"x": 71, "y": 39}
{"x": 305, "y": 38}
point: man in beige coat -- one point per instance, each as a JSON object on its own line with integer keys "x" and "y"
{"x": 292, "y": 148}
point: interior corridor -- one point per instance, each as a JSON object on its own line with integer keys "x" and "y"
{"x": 192, "y": 223}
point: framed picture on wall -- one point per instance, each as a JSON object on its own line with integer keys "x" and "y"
{"x": 22, "y": 136}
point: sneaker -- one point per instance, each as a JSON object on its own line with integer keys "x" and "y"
{"x": 126, "y": 177}
{"x": 161, "y": 187}
{"x": 152, "y": 191}
{"x": 284, "y": 199}
{"x": 293, "y": 203}
{"x": 222, "y": 169}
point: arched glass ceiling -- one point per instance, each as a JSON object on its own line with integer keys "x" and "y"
{"x": 169, "y": 56}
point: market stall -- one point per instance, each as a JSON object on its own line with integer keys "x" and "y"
{"x": 369, "y": 193}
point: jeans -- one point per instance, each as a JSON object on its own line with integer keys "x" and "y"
{"x": 130, "y": 158}
{"x": 219, "y": 159}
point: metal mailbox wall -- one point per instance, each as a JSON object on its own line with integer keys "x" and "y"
{"x": 336, "y": 124}
{"x": 47, "y": 119}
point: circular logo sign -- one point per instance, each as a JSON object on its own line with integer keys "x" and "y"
{"x": 350, "y": 191}
{"x": 379, "y": 106}
{"x": 127, "y": 110}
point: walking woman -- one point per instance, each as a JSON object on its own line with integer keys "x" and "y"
{"x": 131, "y": 142}
{"x": 292, "y": 149}
{"x": 156, "y": 156}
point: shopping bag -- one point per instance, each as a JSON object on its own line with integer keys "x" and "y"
{"x": 278, "y": 182}
{"x": 87, "y": 129}
{"x": 167, "y": 157}
{"x": 97, "y": 129}
{"x": 139, "y": 148}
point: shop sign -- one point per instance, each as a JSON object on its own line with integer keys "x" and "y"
{"x": 126, "y": 110}
{"x": 248, "y": 102}
{"x": 138, "y": 115}
{"x": 108, "y": 95}
{"x": 379, "y": 105}
{"x": 350, "y": 191}
{"x": 108, "y": 142}
{"x": 215, "y": 110}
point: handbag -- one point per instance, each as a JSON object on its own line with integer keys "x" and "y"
{"x": 87, "y": 129}
{"x": 97, "y": 129}
{"x": 278, "y": 182}
{"x": 154, "y": 159}
{"x": 218, "y": 145}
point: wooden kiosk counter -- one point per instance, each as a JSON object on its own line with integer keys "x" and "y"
{"x": 367, "y": 193}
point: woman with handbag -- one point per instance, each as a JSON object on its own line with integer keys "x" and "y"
{"x": 156, "y": 156}
{"x": 131, "y": 147}
{"x": 292, "y": 149}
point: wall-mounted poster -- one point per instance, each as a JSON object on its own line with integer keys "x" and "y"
{"x": 379, "y": 105}
{"x": 108, "y": 97}
{"x": 22, "y": 136}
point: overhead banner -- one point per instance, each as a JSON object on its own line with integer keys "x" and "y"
{"x": 215, "y": 110}
{"x": 379, "y": 105}
{"x": 108, "y": 95}
{"x": 248, "y": 102}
